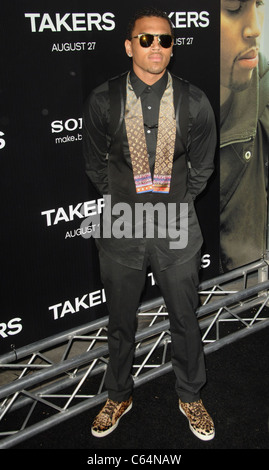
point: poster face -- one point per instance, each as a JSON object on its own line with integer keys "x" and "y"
{"x": 244, "y": 130}
{"x": 53, "y": 54}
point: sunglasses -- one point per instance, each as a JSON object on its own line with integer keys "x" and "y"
{"x": 165, "y": 40}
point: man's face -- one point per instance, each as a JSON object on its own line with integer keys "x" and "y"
{"x": 241, "y": 27}
{"x": 149, "y": 63}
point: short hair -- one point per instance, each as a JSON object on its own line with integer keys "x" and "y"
{"x": 146, "y": 12}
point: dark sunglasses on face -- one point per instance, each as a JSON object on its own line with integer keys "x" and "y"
{"x": 165, "y": 40}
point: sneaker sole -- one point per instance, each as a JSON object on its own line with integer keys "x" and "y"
{"x": 108, "y": 431}
{"x": 196, "y": 433}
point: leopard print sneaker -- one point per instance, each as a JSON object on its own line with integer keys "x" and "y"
{"x": 200, "y": 422}
{"x": 108, "y": 418}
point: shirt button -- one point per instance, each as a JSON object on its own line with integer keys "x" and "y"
{"x": 149, "y": 107}
{"x": 149, "y": 131}
{"x": 248, "y": 155}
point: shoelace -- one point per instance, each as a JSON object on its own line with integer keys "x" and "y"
{"x": 197, "y": 409}
{"x": 200, "y": 414}
{"x": 107, "y": 412}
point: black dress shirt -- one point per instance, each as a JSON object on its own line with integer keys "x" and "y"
{"x": 150, "y": 100}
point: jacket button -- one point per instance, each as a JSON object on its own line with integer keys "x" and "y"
{"x": 247, "y": 155}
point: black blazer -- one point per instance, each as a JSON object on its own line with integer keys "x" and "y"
{"x": 109, "y": 167}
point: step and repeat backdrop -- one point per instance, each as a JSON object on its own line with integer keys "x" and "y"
{"x": 52, "y": 54}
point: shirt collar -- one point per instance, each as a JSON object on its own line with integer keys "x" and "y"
{"x": 240, "y": 124}
{"x": 139, "y": 86}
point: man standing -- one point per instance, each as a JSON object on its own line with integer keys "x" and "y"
{"x": 144, "y": 160}
{"x": 244, "y": 134}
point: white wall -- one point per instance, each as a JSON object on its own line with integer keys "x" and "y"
{"x": 265, "y": 35}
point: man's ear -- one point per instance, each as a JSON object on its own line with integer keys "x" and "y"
{"x": 128, "y": 48}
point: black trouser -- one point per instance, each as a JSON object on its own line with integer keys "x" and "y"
{"x": 178, "y": 285}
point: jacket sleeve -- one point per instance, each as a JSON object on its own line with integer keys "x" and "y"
{"x": 202, "y": 142}
{"x": 96, "y": 140}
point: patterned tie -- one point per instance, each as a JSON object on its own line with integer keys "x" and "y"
{"x": 137, "y": 141}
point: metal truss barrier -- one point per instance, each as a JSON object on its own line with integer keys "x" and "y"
{"x": 51, "y": 381}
